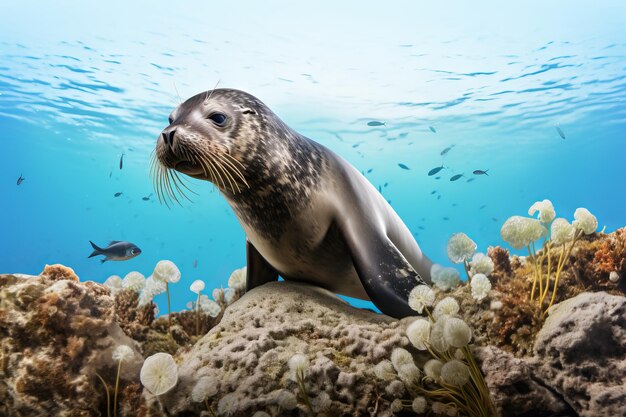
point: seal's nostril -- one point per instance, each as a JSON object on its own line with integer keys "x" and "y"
{"x": 171, "y": 137}
{"x": 164, "y": 138}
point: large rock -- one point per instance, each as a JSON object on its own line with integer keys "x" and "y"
{"x": 581, "y": 353}
{"x": 514, "y": 390}
{"x": 56, "y": 334}
{"x": 246, "y": 356}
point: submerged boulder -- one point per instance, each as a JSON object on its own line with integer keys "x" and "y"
{"x": 581, "y": 353}
{"x": 247, "y": 354}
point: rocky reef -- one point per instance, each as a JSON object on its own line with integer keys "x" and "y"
{"x": 59, "y": 336}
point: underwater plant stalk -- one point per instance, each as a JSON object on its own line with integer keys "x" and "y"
{"x": 169, "y": 311}
{"x": 537, "y": 263}
{"x": 117, "y": 383}
{"x": 561, "y": 265}
{"x": 467, "y": 270}
{"x": 532, "y": 291}
{"x": 108, "y": 396}
{"x": 547, "y": 286}
{"x": 198, "y": 315}
{"x": 208, "y": 407}
{"x": 307, "y": 401}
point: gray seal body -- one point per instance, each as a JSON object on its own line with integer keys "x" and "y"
{"x": 307, "y": 213}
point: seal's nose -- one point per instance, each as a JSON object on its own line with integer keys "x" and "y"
{"x": 168, "y": 137}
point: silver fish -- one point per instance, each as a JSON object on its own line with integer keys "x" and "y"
{"x": 116, "y": 251}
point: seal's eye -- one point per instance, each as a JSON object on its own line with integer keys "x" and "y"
{"x": 218, "y": 118}
{"x": 171, "y": 120}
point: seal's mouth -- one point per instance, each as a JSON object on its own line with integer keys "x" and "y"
{"x": 189, "y": 168}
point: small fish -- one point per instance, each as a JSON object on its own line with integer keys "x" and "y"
{"x": 420, "y": 227}
{"x": 433, "y": 192}
{"x": 446, "y": 218}
{"x": 494, "y": 219}
{"x": 110, "y": 174}
{"x": 380, "y": 190}
{"x": 375, "y": 123}
{"x": 480, "y": 172}
{"x": 437, "y": 178}
{"x": 482, "y": 207}
{"x": 356, "y": 145}
{"x": 195, "y": 263}
{"x": 445, "y": 151}
{"x": 439, "y": 197}
{"x": 117, "y": 194}
{"x": 385, "y": 184}
{"x": 454, "y": 204}
{"x": 403, "y": 166}
{"x": 403, "y": 135}
{"x": 471, "y": 179}
{"x": 20, "y": 180}
{"x": 115, "y": 251}
{"x": 122, "y": 161}
{"x": 456, "y": 177}
{"x": 434, "y": 171}
{"x": 147, "y": 198}
{"x": 560, "y": 132}
{"x": 369, "y": 171}
{"x": 432, "y": 129}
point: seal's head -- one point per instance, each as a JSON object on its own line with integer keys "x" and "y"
{"x": 205, "y": 139}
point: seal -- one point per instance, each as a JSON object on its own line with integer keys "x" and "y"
{"x": 308, "y": 214}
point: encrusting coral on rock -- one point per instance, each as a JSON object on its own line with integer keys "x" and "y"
{"x": 289, "y": 349}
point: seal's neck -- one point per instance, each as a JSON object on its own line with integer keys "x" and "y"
{"x": 281, "y": 172}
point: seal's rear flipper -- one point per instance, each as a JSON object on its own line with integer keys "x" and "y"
{"x": 384, "y": 273}
{"x": 259, "y": 271}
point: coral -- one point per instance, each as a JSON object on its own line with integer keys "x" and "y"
{"x": 581, "y": 353}
{"x": 56, "y": 334}
{"x": 501, "y": 260}
{"x": 134, "y": 320}
{"x": 58, "y": 272}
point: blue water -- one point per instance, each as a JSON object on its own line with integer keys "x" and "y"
{"x": 82, "y": 83}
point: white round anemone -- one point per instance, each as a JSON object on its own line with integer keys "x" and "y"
{"x": 159, "y": 373}
{"x": 445, "y": 278}
{"x": 205, "y": 387}
{"x": 299, "y": 366}
{"x": 447, "y": 306}
{"x": 455, "y": 372}
{"x": 460, "y": 248}
{"x": 123, "y": 353}
{"x": 396, "y": 406}
{"x": 545, "y": 209}
{"x": 237, "y": 280}
{"x": 420, "y": 297}
{"x": 419, "y": 405}
{"x": 114, "y": 282}
{"x": 521, "y": 231}
{"x": 151, "y": 289}
{"x": 384, "y": 370}
{"x": 218, "y": 295}
{"x": 456, "y": 332}
{"x": 481, "y": 264}
{"x": 134, "y": 281}
{"x": 228, "y": 405}
{"x": 209, "y": 306}
{"x": 286, "y": 400}
{"x": 418, "y": 333}
{"x": 197, "y": 286}
{"x": 166, "y": 271}
{"x": 404, "y": 365}
{"x": 437, "y": 337}
{"x": 585, "y": 221}
{"x": 432, "y": 368}
{"x": 561, "y": 231}
{"x": 230, "y": 296}
{"x": 480, "y": 286}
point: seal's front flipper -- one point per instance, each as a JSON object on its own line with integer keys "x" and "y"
{"x": 384, "y": 273}
{"x": 259, "y": 271}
